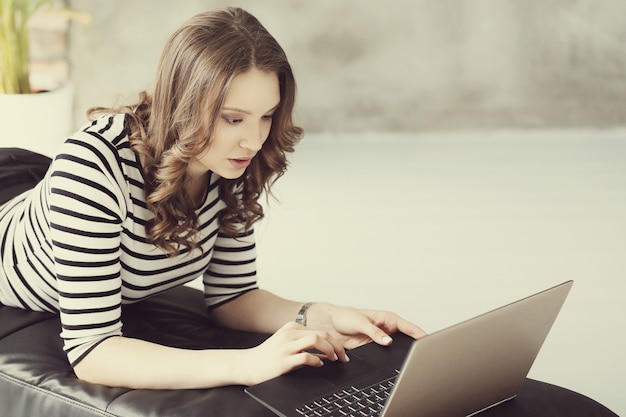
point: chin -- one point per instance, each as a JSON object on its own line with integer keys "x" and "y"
{"x": 229, "y": 174}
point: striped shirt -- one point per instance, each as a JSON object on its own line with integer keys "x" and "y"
{"x": 76, "y": 243}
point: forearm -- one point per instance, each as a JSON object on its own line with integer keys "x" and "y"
{"x": 257, "y": 311}
{"x": 134, "y": 363}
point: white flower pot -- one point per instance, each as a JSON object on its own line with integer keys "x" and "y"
{"x": 38, "y": 122}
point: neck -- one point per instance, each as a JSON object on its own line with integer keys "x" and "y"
{"x": 196, "y": 187}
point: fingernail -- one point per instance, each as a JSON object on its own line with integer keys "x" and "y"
{"x": 386, "y": 340}
{"x": 335, "y": 357}
{"x": 321, "y": 362}
{"x": 347, "y": 358}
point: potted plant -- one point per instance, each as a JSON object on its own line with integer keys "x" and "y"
{"x": 14, "y": 47}
{"x": 34, "y": 117}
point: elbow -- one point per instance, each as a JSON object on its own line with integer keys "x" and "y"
{"x": 95, "y": 366}
{"x": 85, "y": 372}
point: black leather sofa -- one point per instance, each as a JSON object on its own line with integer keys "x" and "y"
{"x": 20, "y": 170}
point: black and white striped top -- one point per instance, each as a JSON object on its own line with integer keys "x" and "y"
{"x": 76, "y": 243}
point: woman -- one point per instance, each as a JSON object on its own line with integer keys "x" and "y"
{"x": 150, "y": 196}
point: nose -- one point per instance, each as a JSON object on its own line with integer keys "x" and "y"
{"x": 253, "y": 138}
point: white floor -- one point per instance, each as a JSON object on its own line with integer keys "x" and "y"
{"x": 442, "y": 227}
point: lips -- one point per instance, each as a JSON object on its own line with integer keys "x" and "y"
{"x": 240, "y": 163}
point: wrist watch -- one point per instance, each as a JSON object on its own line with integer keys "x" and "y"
{"x": 301, "y": 316}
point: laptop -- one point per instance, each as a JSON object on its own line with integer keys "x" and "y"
{"x": 457, "y": 371}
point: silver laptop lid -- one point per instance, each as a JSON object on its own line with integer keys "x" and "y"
{"x": 478, "y": 363}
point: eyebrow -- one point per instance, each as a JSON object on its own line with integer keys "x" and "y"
{"x": 238, "y": 110}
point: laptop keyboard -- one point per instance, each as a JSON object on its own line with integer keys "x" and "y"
{"x": 352, "y": 401}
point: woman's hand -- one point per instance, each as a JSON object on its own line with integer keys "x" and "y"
{"x": 354, "y": 327}
{"x": 330, "y": 329}
{"x": 289, "y": 348}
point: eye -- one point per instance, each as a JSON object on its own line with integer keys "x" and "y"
{"x": 232, "y": 120}
{"x": 268, "y": 117}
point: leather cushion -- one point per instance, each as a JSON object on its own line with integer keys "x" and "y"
{"x": 20, "y": 170}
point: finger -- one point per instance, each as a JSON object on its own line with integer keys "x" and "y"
{"x": 411, "y": 329}
{"x": 321, "y": 342}
{"x": 407, "y": 327}
{"x": 306, "y": 359}
{"x": 378, "y": 335}
{"x": 290, "y": 326}
{"x": 372, "y": 325}
{"x": 392, "y": 323}
{"x": 338, "y": 348}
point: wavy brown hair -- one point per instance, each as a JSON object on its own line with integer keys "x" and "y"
{"x": 175, "y": 124}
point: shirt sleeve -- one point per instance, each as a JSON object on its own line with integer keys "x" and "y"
{"x": 86, "y": 216}
{"x": 232, "y": 270}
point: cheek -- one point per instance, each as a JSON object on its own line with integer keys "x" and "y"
{"x": 266, "y": 131}
{"x": 222, "y": 142}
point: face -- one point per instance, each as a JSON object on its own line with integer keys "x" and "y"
{"x": 244, "y": 125}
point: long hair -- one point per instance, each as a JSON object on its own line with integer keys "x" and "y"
{"x": 176, "y": 123}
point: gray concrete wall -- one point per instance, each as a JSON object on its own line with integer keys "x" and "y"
{"x": 405, "y": 65}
